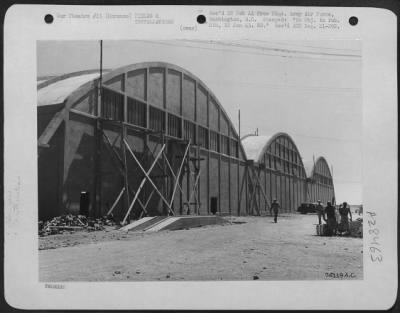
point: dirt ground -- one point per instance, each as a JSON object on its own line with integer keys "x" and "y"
{"x": 250, "y": 248}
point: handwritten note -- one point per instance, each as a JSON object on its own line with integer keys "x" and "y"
{"x": 374, "y": 240}
{"x": 13, "y": 201}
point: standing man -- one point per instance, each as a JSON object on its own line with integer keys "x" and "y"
{"x": 330, "y": 219}
{"x": 320, "y": 211}
{"x": 275, "y": 207}
{"x": 360, "y": 210}
{"x": 345, "y": 212}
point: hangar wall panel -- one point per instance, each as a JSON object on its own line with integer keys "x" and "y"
{"x": 136, "y": 84}
{"x": 234, "y": 187}
{"x": 202, "y": 109}
{"x": 50, "y": 176}
{"x": 214, "y": 172}
{"x": 156, "y": 86}
{"x": 204, "y": 199}
{"x": 213, "y": 115}
{"x": 116, "y": 83}
{"x": 188, "y": 97}
{"x": 225, "y": 183}
{"x": 78, "y": 162}
{"x": 174, "y": 91}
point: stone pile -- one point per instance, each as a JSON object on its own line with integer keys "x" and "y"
{"x": 70, "y": 223}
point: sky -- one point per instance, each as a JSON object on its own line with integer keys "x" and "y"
{"x": 308, "y": 89}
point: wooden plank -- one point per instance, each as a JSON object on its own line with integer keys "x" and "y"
{"x": 126, "y": 183}
{"x": 147, "y": 176}
{"x": 172, "y": 172}
{"x": 111, "y": 146}
{"x": 194, "y": 188}
{"x": 179, "y": 174}
{"x": 116, "y": 201}
{"x": 142, "y": 183}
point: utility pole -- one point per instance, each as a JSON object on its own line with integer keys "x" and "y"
{"x": 101, "y": 65}
{"x": 97, "y": 152}
{"x": 239, "y": 122}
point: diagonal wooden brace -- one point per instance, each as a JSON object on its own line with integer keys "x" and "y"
{"x": 179, "y": 173}
{"x": 147, "y": 175}
{"x": 194, "y": 188}
{"x": 143, "y": 180}
{"x": 116, "y": 201}
{"x": 121, "y": 166}
{"x": 173, "y": 174}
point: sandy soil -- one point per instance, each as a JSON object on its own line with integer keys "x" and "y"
{"x": 248, "y": 249}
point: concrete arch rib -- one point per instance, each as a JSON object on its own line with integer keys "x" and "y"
{"x": 74, "y": 95}
{"x": 256, "y": 146}
{"x": 313, "y": 167}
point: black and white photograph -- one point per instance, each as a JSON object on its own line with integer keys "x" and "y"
{"x": 200, "y": 157}
{"x": 199, "y": 160}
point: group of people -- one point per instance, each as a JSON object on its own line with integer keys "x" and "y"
{"x": 337, "y": 220}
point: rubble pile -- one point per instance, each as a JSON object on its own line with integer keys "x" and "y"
{"x": 70, "y": 223}
{"x": 356, "y": 228}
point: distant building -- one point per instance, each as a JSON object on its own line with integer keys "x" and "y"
{"x": 319, "y": 181}
{"x": 279, "y": 168}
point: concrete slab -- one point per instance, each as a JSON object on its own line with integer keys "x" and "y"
{"x": 181, "y": 222}
{"x": 137, "y": 223}
{"x": 150, "y": 223}
{"x": 164, "y": 223}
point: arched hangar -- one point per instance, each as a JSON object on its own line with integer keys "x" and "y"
{"x": 144, "y": 139}
{"x": 277, "y": 172}
{"x": 319, "y": 181}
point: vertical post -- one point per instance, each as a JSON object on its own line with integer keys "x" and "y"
{"x": 208, "y": 155}
{"x": 165, "y": 180}
{"x": 188, "y": 176}
{"x": 126, "y": 184}
{"x": 99, "y": 103}
{"x": 239, "y": 124}
{"x": 97, "y": 170}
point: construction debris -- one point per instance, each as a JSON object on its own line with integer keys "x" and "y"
{"x": 70, "y": 223}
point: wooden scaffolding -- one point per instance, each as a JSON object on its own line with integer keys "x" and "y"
{"x": 256, "y": 190}
{"x": 158, "y": 157}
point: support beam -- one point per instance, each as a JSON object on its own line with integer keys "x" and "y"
{"x": 173, "y": 174}
{"x": 126, "y": 183}
{"x": 142, "y": 182}
{"x": 148, "y": 177}
{"x": 116, "y": 201}
{"x": 179, "y": 174}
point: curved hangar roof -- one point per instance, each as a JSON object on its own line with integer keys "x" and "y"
{"x": 256, "y": 147}
{"x": 55, "y": 90}
{"x": 321, "y": 171}
{"x": 71, "y": 88}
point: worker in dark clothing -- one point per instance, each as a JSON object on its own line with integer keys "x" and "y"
{"x": 345, "y": 212}
{"x": 320, "y": 211}
{"x": 330, "y": 219}
{"x": 275, "y": 207}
